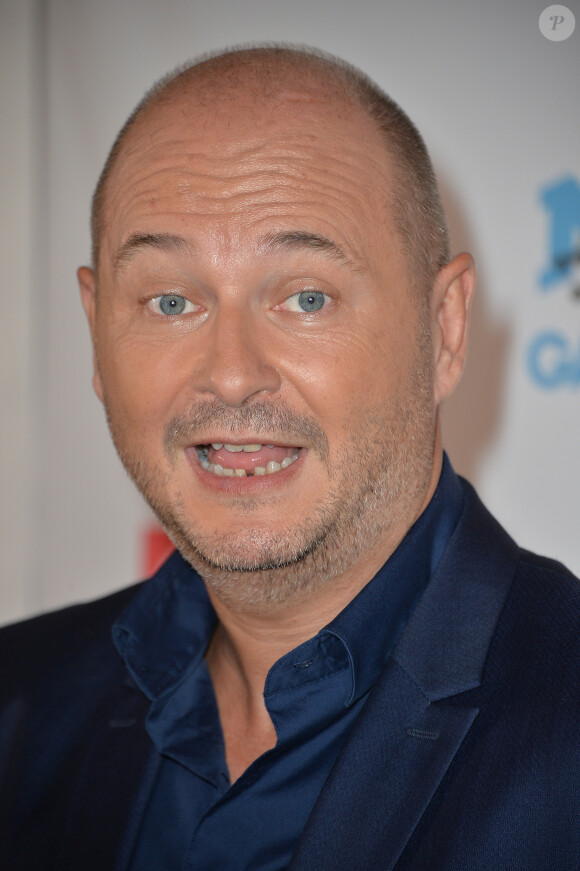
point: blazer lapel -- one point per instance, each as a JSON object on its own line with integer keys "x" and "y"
{"x": 408, "y": 732}
{"x": 383, "y": 780}
{"x": 112, "y": 788}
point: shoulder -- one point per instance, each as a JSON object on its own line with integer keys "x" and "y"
{"x": 60, "y": 642}
{"x": 549, "y": 580}
{"x": 539, "y": 620}
{"x": 56, "y": 672}
{"x": 62, "y": 685}
{"x": 546, "y": 590}
{"x": 517, "y": 760}
{"x": 529, "y": 695}
{"x": 540, "y": 625}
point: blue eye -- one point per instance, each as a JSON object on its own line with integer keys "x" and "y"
{"x": 171, "y": 304}
{"x": 307, "y": 301}
{"x": 311, "y": 300}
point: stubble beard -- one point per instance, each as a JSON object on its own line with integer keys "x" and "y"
{"x": 381, "y": 480}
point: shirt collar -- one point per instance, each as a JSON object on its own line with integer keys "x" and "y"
{"x": 165, "y": 632}
{"x": 166, "y": 629}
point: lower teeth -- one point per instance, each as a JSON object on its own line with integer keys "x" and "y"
{"x": 217, "y": 469}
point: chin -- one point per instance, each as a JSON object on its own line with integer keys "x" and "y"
{"x": 252, "y": 550}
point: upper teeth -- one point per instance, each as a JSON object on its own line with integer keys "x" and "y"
{"x": 236, "y": 448}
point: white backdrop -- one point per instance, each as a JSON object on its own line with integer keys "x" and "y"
{"x": 497, "y": 103}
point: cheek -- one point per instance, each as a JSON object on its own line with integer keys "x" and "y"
{"x": 345, "y": 374}
{"x": 367, "y": 360}
{"x": 140, "y": 380}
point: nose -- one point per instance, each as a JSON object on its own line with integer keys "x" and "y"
{"x": 238, "y": 358}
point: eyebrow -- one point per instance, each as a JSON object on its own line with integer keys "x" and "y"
{"x": 140, "y": 241}
{"x": 300, "y": 239}
{"x": 286, "y": 239}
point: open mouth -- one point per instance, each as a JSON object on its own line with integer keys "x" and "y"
{"x": 245, "y": 460}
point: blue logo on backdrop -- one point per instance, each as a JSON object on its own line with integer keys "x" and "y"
{"x": 553, "y": 356}
{"x": 562, "y": 202}
{"x": 554, "y": 360}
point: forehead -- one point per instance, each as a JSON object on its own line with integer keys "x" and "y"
{"x": 238, "y": 164}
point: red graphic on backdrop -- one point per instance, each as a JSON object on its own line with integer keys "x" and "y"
{"x": 155, "y": 549}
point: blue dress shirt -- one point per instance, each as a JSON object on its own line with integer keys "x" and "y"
{"x": 196, "y": 820}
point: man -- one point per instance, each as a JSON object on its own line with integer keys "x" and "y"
{"x": 348, "y": 664}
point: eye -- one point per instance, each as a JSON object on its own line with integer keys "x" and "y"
{"x": 171, "y": 304}
{"x": 306, "y": 301}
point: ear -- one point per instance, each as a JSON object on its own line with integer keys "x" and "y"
{"x": 88, "y": 288}
{"x": 450, "y": 305}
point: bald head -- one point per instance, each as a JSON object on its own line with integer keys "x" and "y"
{"x": 261, "y": 75}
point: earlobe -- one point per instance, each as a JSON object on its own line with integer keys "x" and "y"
{"x": 87, "y": 285}
{"x": 451, "y": 302}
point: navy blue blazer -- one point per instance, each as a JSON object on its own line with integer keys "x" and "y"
{"x": 466, "y": 755}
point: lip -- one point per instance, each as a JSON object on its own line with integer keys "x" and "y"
{"x": 251, "y": 439}
{"x": 250, "y": 485}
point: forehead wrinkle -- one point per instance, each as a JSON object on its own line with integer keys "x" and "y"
{"x": 239, "y": 163}
{"x": 268, "y": 191}
{"x": 271, "y": 187}
{"x": 235, "y": 159}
